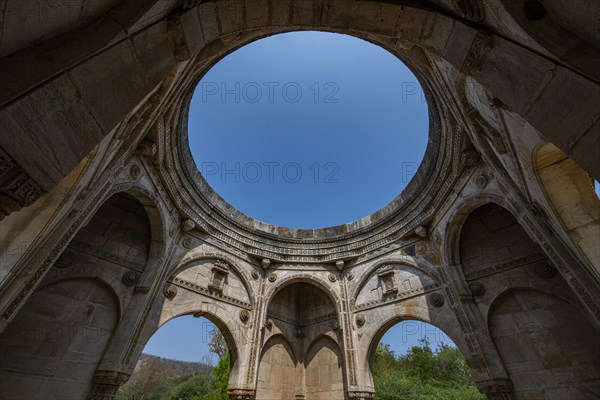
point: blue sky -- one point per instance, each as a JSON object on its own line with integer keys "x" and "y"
{"x": 305, "y": 130}
{"x": 186, "y": 338}
{"x": 308, "y": 129}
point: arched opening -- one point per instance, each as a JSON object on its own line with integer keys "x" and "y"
{"x": 570, "y": 192}
{"x": 542, "y": 337}
{"x": 211, "y": 288}
{"x": 280, "y": 127}
{"x": 72, "y": 315}
{"x": 187, "y": 357}
{"x": 278, "y": 376}
{"x": 301, "y": 355}
{"x": 414, "y": 359}
{"x": 55, "y": 343}
{"x": 534, "y": 318}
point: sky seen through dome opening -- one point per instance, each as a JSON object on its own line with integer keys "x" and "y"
{"x": 308, "y": 129}
{"x": 305, "y": 130}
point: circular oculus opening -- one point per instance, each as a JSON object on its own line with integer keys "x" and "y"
{"x": 308, "y": 129}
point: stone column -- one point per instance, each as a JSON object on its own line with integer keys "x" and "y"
{"x": 496, "y": 389}
{"x": 106, "y": 384}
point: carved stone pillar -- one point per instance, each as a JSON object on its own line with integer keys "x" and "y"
{"x": 496, "y": 389}
{"x": 106, "y": 384}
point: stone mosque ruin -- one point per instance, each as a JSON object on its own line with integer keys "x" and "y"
{"x": 108, "y": 230}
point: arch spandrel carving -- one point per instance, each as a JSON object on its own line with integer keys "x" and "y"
{"x": 208, "y": 255}
{"x": 392, "y": 282}
{"x": 215, "y": 279}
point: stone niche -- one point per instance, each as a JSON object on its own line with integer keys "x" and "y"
{"x": 301, "y": 356}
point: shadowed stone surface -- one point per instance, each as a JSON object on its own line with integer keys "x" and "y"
{"x": 108, "y": 226}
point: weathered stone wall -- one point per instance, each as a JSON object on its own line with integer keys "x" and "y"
{"x": 53, "y": 347}
{"x": 60, "y": 336}
{"x": 493, "y": 241}
{"x": 277, "y": 376}
{"x": 324, "y": 377}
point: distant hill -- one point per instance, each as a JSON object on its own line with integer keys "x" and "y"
{"x": 157, "y": 378}
{"x": 175, "y": 368}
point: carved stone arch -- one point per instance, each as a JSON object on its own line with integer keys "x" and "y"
{"x": 551, "y": 250}
{"x": 327, "y": 336}
{"x": 440, "y": 320}
{"x": 569, "y": 193}
{"x": 456, "y": 221}
{"x": 280, "y": 374}
{"x": 68, "y": 266}
{"x": 365, "y": 273}
{"x": 541, "y": 337}
{"x": 220, "y": 317}
{"x": 201, "y": 256}
{"x": 324, "y": 374}
{"x": 74, "y": 276}
{"x": 157, "y": 218}
{"x": 314, "y": 280}
{"x": 296, "y": 356}
{"x": 557, "y": 291}
{"x": 36, "y": 342}
{"x": 152, "y": 205}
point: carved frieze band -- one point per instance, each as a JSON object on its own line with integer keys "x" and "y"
{"x": 406, "y": 294}
{"x": 481, "y": 46}
{"x": 210, "y": 293}
{"x": 18, "y": 190}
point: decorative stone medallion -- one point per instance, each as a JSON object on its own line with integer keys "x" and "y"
{"x": 135, "y": 172}
{"x": 482, "y": 181}
{"x": 244, "y": 316}
{"x": 66, "y": 259}
{"x": 170, "y": 291}
{"x": 360, "y": 320}
{"x": 437, "y": 300}
{"x": 130, "y": 278}
{"x": 545, "y": 270}
{"x": 477, "y": 288}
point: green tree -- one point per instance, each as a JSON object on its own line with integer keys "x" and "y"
{"x": 194, "y": 388}
{"x": 422, "y": 374}
{"x": 221, "y": 372}
{"x": 220, "y": 379}
{"x": 217, "y": 343}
